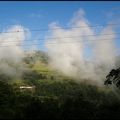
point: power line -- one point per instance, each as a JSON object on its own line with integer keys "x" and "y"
{"x": 35, "y": 30}
{"x": 58, "y": 42}
{"x": 41, "y": 39}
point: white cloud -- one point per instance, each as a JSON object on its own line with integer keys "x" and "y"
{"x": 10, "y": 41}
{"x": 69, "y": 57}
{"x": 11, "y": 53}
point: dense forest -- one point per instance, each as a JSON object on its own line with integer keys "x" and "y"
{"x": 53, "y": 95}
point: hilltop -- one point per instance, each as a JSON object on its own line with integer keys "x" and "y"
{"x": 56, "y": 96}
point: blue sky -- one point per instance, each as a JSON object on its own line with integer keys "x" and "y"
{"x": 38, "y": 15}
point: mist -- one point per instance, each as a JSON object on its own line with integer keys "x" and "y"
{"x": 82, "y": 53}
{"x": 69, "y": 55}
{"x": 11, "y": 50}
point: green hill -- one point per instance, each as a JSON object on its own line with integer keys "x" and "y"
{"x": 55, "y": 96}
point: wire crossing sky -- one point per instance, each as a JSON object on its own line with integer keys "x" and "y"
{"x": 79, "y": 27}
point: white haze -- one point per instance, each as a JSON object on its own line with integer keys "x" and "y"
{"x": 68, "y": 55}
{"x": 11, "y": 51}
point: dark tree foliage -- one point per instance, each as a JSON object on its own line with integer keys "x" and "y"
{"x": 55, "y": 97}
{"x": 75, "y": 103}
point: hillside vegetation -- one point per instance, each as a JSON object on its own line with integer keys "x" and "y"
{"x": 55, "y": 96}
